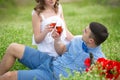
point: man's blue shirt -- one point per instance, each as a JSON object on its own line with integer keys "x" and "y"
{"x": 74, "y": 57}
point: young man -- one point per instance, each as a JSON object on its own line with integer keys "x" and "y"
{"x": 44, "y": 67}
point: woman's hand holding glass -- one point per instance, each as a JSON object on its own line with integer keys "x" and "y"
{"x": 55, "y": 29}
{"x": 48, "y": 28}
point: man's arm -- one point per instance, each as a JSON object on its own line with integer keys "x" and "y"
{"x": 59, "y": 46}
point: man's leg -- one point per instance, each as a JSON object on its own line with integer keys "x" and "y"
{"x": 13, "y": 51}
{"x": 9, "y": 76}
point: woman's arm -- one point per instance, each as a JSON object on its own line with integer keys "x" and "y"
{"x": 38, "y": 34}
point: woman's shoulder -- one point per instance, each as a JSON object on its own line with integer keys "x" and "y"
{"x": 34, "y": 12}
{"x": 35, "y": 15}
{"x": 59, "y": 8}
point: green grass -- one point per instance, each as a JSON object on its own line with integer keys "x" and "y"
{"x": 16, "y": 25}
{"x": 78, "y": 15}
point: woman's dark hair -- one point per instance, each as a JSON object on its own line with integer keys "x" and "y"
{"x": 99, "y": 32}
{"x": 41, "y": 6}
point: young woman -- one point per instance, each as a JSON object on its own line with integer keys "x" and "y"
{"x": 44, "y": 14}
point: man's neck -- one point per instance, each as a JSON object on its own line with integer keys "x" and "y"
{"x": 91, "y": 45}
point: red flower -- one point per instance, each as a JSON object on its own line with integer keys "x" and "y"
{"x": 87, "y": 62}
{"x": 111, "y": 68}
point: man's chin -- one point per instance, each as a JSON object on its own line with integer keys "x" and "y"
{"x": 82, "y": 37}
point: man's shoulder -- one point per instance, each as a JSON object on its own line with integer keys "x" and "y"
{"x": 77, "y": 38}
{"x": 97, "y": 52}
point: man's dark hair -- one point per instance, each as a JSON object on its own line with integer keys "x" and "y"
{"x": 99, "y": 32}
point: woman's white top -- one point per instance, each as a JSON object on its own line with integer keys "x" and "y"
{"x": 47, "y": 45}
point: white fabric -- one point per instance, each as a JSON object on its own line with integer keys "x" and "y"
{"x": 47, "y": 45}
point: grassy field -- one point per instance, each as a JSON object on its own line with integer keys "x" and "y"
{"x": 15, "y": 25}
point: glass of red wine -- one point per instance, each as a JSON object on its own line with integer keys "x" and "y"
{"x": 59, "y": 28}
{"x": 53, "y": 23}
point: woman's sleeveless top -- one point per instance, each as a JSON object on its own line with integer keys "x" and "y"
{"x": 47, "y": 45}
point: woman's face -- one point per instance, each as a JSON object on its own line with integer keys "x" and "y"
{"x": 50, "y": 2}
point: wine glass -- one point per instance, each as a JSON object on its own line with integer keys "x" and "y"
{"x": 53, "y": 23}
{"x": 59, "y": 28}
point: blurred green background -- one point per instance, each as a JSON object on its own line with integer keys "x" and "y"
{"x": 16, "y": 25}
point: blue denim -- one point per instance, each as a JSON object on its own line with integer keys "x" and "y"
{"x": 39, "y": 63}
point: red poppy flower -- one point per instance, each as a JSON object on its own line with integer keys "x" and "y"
{"x": 111, "y": 68}
{"x": 87, "y": 62}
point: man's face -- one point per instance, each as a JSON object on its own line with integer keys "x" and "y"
{"x": 86, "y": 34}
